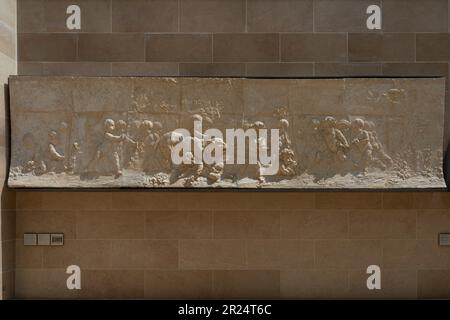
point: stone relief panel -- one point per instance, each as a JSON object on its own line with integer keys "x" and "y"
{"x": 80, "y": 132}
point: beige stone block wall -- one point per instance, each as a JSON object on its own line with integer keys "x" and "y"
{"x": 230, "y": 244}
{"x": 8, "y": 66}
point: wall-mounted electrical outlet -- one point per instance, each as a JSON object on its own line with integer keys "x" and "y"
{"x": 43, "y": 239}
{"x": 444, "y": 239}
{"x": 57, "y": 239}
{"x": 30, "y": 239}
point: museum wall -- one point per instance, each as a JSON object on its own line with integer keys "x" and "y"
{"x": 214, "y": 244}
{"x": 8, "y": 66}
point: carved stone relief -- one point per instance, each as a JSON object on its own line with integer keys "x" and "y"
{"x": 121, "y": 132}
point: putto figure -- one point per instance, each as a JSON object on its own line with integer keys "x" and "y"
{"x": 360, "y": 143}
{"x": 380, "y": 157}
{"x": 334, "y": 138}
{"x": 54, "y": 160}
{"x": 288, "y": 164}
{"x": 109, "y": 149}
{"x": 73, "y": 166}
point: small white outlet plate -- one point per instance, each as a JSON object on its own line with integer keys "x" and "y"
{"x": 43, "y": 239}
{"x": 444, "y": 239}
{"x": 30, "y": 239}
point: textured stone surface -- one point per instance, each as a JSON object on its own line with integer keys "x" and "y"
{"x": 334, "y": 133}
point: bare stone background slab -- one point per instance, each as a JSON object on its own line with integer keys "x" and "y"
{"x": 334, "y": 133}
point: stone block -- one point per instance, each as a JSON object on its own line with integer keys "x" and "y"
{"x": 144, "y": 16}
{"x": 212, "y": 16}
{"x": 280, "y": 16}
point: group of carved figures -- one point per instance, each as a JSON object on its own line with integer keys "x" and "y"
{"x": 50, "y": 158}
{"x": 352, "y": 142}
{"x": 143, "y": 146}
{"x": 122, "y": 146}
